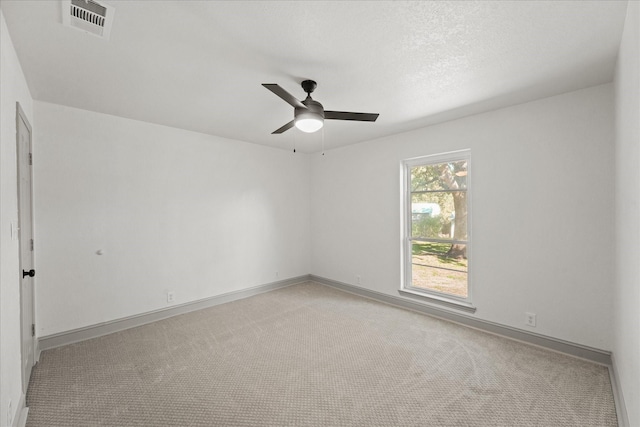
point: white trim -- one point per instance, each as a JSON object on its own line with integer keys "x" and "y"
{"x": 618, "y": 397}
{"x": 439, "y": 158}
{"x": 20, "y": 165}
{"x": 20, "y": 417}
{"x": 437, "y": 299}
{"x": 591, "y": 354}
{"x": 405, "y": 230}
{"x": 98, "y": 330}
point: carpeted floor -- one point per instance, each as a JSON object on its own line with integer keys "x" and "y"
{"x": 310, "y": 355}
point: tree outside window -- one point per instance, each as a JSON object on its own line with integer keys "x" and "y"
{"x": 436, "y": 213}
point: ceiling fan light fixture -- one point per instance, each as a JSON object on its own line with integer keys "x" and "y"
{"x": 309, "y": 115}
{"x": 309, "y": 122}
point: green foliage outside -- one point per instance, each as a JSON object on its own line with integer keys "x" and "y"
{"x": 427, "y": 226}
{"x": 439, "y": 189}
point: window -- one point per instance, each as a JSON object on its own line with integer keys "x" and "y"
{"x": 436, "y": 227}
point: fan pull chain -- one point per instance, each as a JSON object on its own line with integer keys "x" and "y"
{"x": 323, "y": 140}
{"x": 295, "y": 138}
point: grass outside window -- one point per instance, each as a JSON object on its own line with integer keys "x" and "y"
{"x": 436, "y": 211}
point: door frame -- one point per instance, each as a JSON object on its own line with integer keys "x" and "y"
{"x": 22, "y": 163}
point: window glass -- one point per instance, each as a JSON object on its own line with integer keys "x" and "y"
{"x": 436, "y": 213}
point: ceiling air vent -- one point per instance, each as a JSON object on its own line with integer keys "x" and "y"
{"x": 88, "y": 16}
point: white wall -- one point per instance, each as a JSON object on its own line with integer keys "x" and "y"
{"x": 13, "y": 88}
{"x": 201, "y": 215}
{"x": 171, "y": 210}
{"x": 542, "y": 212}
{"x": 626, "y": 309}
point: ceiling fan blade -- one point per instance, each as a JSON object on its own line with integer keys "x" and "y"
{"x": 288, "y": 98}
{"x": 344, "y": 115}
{"x": 283, "y": 128}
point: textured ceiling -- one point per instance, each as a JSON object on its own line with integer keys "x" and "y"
{"x": 199, "y": 65}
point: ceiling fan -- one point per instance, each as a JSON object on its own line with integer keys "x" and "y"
{"x": 309, "y": 115}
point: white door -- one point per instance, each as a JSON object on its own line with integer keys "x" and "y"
{"x": 23, "y": 136}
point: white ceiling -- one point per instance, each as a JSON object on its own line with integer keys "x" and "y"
{"x": 199, "y": 65}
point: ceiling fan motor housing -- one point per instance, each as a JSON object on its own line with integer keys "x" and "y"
{"x": 309, "y": 115}
{"x": 313, "y": 107}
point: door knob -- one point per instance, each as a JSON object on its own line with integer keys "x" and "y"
{"x": 29, "y": 273}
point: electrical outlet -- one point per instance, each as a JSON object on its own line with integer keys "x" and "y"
{"x": 171, "y": 296}
{"x": 358, "y": 280}
{"x": 530, "y": 319}
{"x": 277, "y": 274}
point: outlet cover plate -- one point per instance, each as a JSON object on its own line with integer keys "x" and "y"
{"x": 530, "y": 319}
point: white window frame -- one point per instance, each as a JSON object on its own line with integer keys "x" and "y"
{"x": 406, "y": 289}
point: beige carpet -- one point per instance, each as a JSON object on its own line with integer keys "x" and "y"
{"x": 310, "y": 355}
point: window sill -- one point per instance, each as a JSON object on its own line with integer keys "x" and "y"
{"x": 435, "y": 299}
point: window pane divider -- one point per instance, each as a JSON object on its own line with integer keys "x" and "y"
{"x": 453, "y": 190}
{"x": 414, "y": 192}
{"x": 426, "y": 239}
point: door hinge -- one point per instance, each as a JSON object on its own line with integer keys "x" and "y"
{"x": 30, "y": 159}
{"x": 31, "y": 245}
{"x": 33, "y": 329}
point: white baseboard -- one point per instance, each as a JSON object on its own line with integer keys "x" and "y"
{"x": 20, "y": 417}
{"x": 588, "y": 353}
{"x": 595, "y": 355}
{"x": 621, "y": 407}
{"x": 94, "y": 331}
{"x": 592, "y": 354}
